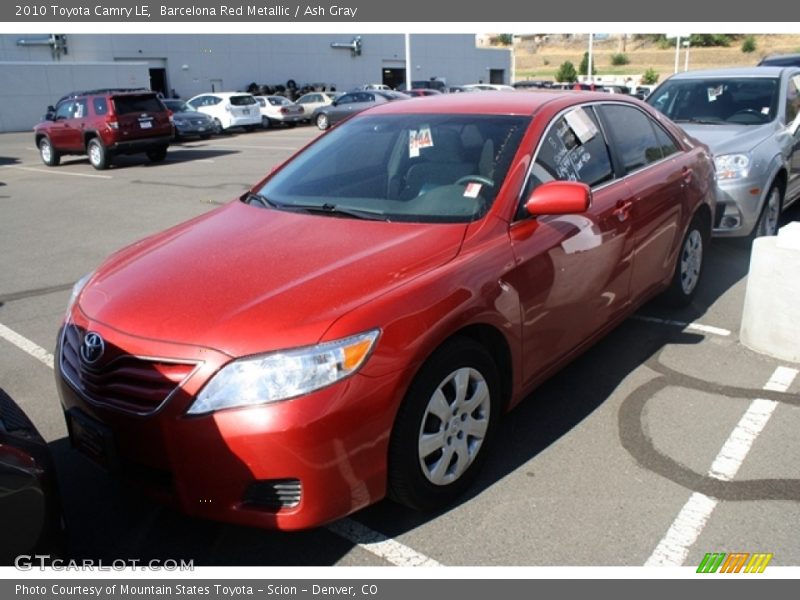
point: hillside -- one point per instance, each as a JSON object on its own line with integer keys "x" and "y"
{"x": 540, "y": 58}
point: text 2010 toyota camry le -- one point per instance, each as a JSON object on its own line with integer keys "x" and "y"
{"x": 356, "y": 324}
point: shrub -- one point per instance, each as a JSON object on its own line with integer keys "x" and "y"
{"x": 620, "y": 59}
{"x": 650, "y": 77}
{"x": 749, "y": 44}
{"x": 566, "y": 72}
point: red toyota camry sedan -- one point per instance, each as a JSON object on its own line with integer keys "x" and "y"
{"x": 361, "y": 319}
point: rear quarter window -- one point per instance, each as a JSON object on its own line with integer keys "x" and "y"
{"x": 137, "y": 104}
{"x": 100, "y": 106}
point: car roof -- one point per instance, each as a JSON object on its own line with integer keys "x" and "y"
{"x": 732, "y": 72}
{"x": 223, "y": 94}
{"x": 499, "y": 103}
{"x": 781, "y": 60}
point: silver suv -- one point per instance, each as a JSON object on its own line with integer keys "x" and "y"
{"x": 749, "y": 118}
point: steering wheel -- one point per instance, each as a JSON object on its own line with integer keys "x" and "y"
{"x": 475, "y": 178}
{"x": 750, "y": 112}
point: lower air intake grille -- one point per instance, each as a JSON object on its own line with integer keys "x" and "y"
{"x": 273, "y": 494}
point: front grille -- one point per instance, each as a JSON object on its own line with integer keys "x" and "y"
{"x": 273, "y": 494}
{"x": 120, "y": 380}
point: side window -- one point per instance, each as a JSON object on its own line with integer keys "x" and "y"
{"x": 347, "y": 99}
{"x": 196, "y": 102}
{"x": 64, "y": 110}
{"x": 633, "y": 133}
{"x": 792, "y": 101}
{"x": 100, "y": 106}
{"x": 572, "y": 149}
{"x": 665, "y": 141}
{"x": 79, "y": 109}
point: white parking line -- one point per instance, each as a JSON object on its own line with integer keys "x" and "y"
{"x": 684, "y": 325}
{"x": 26, "y": 345}
{"x": 373, "y": 542}
{"x": 690, "y": 522}
{"x": 57, "y": 172}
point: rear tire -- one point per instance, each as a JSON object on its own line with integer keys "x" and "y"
{"x": 443, "y": 426}
{"x": 322, "y": 121}
{"x": 265, "y": 123}
{"x": 49, "y": 155}
{"x": 98, "y": 155}
{"x": 689, "y": 266}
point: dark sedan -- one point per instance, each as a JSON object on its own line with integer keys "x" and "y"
{"x": 189, "y": 122}
{"x": 351, "y": 103}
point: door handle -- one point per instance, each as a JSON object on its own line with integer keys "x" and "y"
{"x": 687, "y": 173}
{"x": 622, "y": 210}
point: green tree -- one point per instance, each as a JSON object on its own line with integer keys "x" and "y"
{"x": 566, "y": 72}
{"x": 749, "y": 44}
{"x": 583, "y": 69}
{"x": 650, "y": 77}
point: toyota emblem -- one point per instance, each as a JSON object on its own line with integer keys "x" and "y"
{"x": 92, "y": 348}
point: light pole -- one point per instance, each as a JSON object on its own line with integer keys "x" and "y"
{"x": 686, "y": 45}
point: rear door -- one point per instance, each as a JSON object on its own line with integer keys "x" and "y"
{"x": 658, "y": 175}
{"x": 141, "y": 116}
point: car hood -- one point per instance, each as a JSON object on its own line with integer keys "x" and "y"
{"x": 725, "y": 139}
{"x": 244, "y": 280}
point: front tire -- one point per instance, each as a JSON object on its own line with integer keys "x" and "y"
{"x": 48, "y": 154}
{"x": 769, "y": 218}
{"x": 689, "y": 266}
{"x": 98, "y": 155}
{"x": 444, "y": 424}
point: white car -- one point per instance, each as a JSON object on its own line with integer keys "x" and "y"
{"x": 228, "y": 109}
{"x": 313, "y": 100}
{"x": 279, "y": 110}
{"x": 490, "y": 87}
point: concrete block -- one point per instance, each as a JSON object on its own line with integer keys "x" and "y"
{"x": 771, "y": 315}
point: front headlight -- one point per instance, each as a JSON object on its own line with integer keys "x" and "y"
{"x": 284, "y": 374}
{"x": 732, "y": 166}
{"x": 76, "y": 291}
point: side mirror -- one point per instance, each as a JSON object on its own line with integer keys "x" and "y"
{"x": 51, "y": 113}
{"x": 559, "y": 198}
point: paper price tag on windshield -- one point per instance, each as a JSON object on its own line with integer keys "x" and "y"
{"x": 472, "y": 190}
{"x": 418, "y": 139}
{"x": 580, "y": 123}
{"x": 714, "y": 93}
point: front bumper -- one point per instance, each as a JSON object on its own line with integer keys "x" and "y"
{"x": 739, "y": 205}
{"x": 329, "y": 446}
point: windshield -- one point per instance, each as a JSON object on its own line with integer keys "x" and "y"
{"x": 745, "y": 100}
{"x": 423, "y": 168}
{"x": 178, "y": 106}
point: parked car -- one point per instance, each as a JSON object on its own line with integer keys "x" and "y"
{"x": 643, "y": 91}
{"x": 313, "y": 100}
{"x": 188, "y": 121}
{"x": 430, "y": 263}
{"x": 277, "y": 110}
{"x": 780, "y": 60}
{"x": 749, "y": 119}
{"x": 532, "y": 84}
{"x": 351, "y": 103}
{"x": 416, "y": 93}
{"x": 489, "y": 87}
{"x": 30, "y": 508}
{"x": 228, "y": 110}
{"x": 102, "y": 123}
{"x": 427, "y": 84}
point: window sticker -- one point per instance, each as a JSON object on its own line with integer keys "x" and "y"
{"x": 580, "y": 123}
{"x": 472, "y": 190}
{"x": 714, "y": 93}
{"x": 418, "y": 139}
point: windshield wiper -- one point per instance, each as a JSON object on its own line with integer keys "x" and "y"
{"x": 699, "y": 121}
{"x": 332, "y": 209}
{"x": 254, "y": 198}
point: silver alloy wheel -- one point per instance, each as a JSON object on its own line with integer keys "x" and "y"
{"x": 322, "y": 121}
{"x": 772, "y": 212}
{"x": 46, "y": 149}
{"x": 95, "y": 154}
{"x": 691, "y": 261}
{"x": 454, "y": 426}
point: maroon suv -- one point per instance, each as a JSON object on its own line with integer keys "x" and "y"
{"x": 103, "y": 123}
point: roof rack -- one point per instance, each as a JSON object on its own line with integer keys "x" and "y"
{"x": 77, "y": 93}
